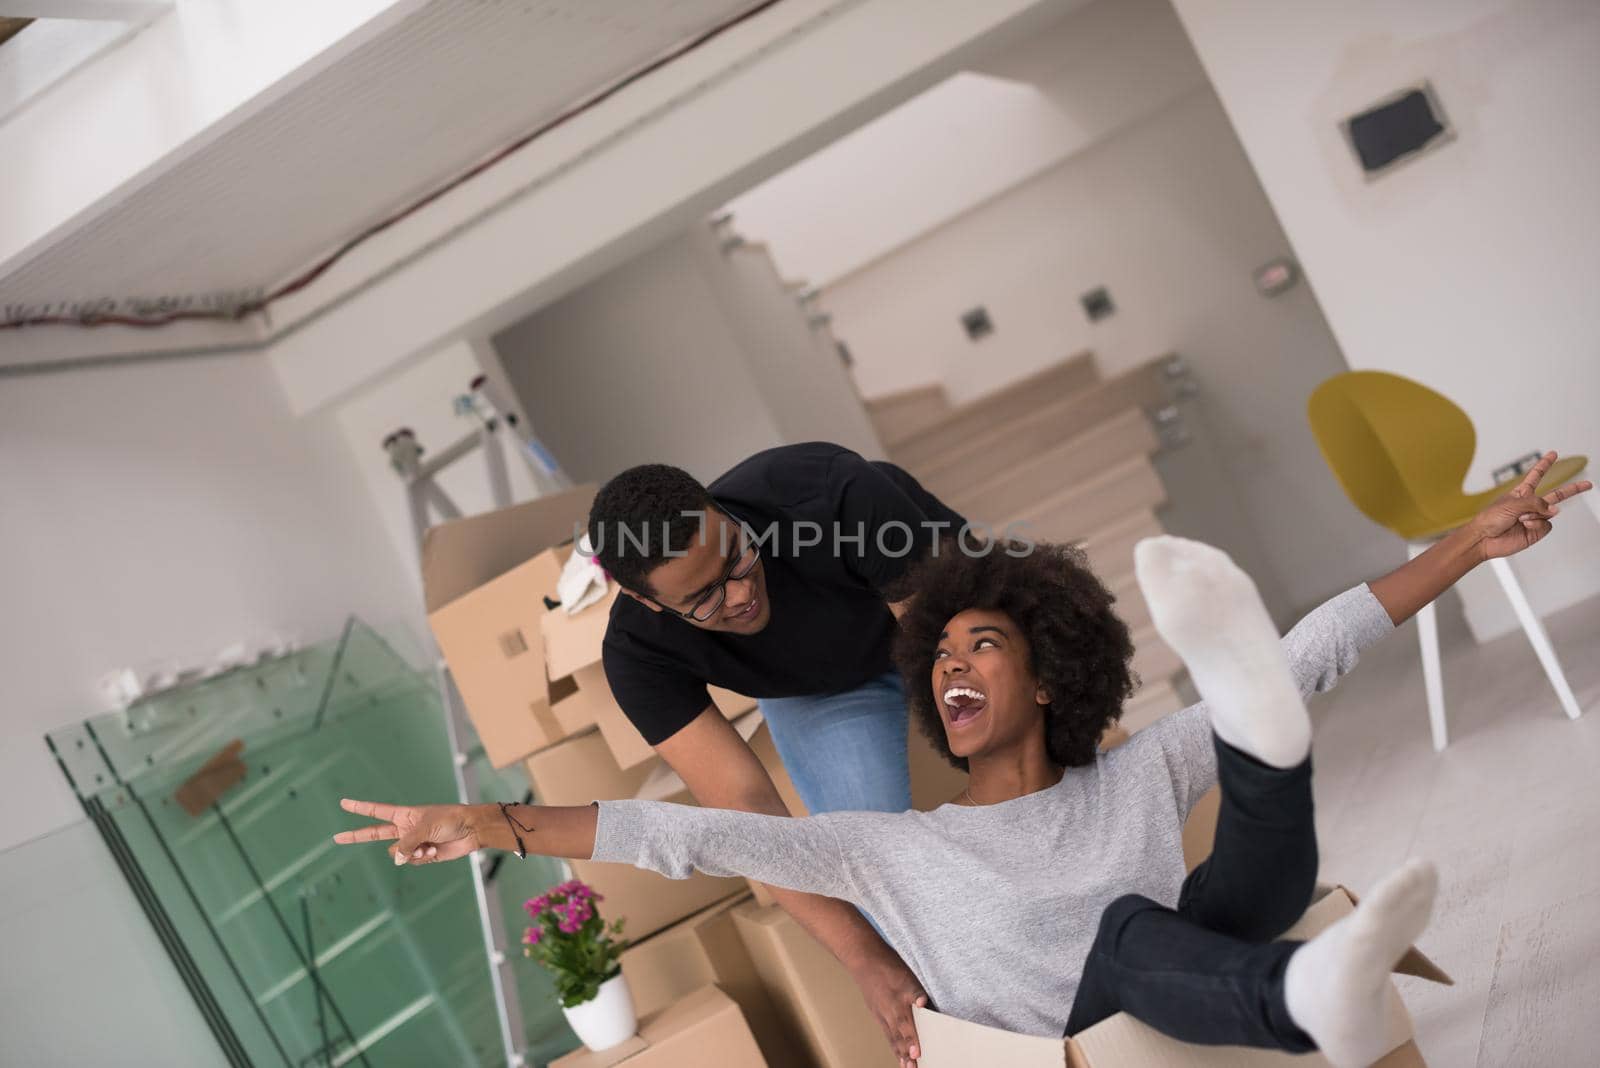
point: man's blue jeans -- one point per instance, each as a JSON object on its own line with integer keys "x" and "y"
{"x": 845, "y": 752}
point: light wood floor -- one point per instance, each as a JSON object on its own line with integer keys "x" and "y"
{"x": 1510, "y": 812}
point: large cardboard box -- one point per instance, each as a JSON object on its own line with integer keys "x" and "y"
{"x": 815, "y": 997}
{"x": 484, "y": 579}
{"x": 1123, "y": 1042}
{"x": 704, "y": 949}
{"x": 699, "y": 1031}
{"x": 580, "y": 770}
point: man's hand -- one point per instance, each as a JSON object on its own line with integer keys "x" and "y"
{"x": 1522, "y": 517}
{"x": 890, "y": 990}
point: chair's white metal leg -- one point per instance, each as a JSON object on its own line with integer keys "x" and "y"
{"x": 1536, "y": 635}
{"x": 1432, "y": 676}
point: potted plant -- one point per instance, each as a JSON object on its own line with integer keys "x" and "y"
{"x": 570, "y": 940}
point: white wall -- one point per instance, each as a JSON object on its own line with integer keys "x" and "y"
{"x": 153, "y": 510}
{"x": 164, "y": 509}
{"x": 86, "y": 981}
{"x": 1011, "y": 115}
{"x": 636, "y": 367}
{"x": 685, "y": 355}
{"x": 1473, "y": 269}
{"x": 797, "y": 365}
{"x": 1168, "y": 216}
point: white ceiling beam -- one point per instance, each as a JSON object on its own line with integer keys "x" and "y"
{"x": 117, "y": 10}
{"x": 605, "y": 185}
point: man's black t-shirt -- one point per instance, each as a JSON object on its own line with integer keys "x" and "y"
{"x": 829, "y": 628}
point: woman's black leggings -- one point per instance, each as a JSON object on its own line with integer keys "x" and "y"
{"x": 1209, "y": 972}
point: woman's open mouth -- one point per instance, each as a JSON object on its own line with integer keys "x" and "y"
{"x": 964, "y": 704}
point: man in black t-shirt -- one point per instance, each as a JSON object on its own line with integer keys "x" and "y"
{"x": 771, "y": 582}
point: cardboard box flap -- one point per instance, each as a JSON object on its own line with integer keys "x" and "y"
{"x": 1330, "y": 903}
{"x": 951, "y": 1043}
{"x": 572, "y": 642}
{"x": 1415, "y": 962}
{"x": 1131, "y": 1044}
{"x": 460, "y": 555}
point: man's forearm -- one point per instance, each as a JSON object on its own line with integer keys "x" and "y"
{"x": 1404, "y": 591}
{"x": 838, "y": 925}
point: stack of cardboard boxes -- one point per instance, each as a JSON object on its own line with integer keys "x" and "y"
{"x": 531, "y": 678}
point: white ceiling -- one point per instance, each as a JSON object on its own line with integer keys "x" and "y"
{"x": 1006, "y": 118}
{"x": 408, "y": 110}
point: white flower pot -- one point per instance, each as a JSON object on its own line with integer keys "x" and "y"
{"x": 607, "y": 1019}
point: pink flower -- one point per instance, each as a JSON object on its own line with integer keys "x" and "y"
{"x": 571, "y": 905}
{"x": 533, "y": 936}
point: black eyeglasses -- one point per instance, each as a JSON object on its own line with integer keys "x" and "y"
{"x": 706, "y": 608}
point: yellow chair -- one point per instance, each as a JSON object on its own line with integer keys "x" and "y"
{"x": 1401, "y": 452}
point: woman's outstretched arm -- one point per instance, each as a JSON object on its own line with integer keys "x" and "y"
{"x": 673, "y": 840}
{"x": 1324, "y": 646}
{"x": 426, "y": 834}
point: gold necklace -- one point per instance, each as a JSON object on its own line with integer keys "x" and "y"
{"x": 967, "y": 793}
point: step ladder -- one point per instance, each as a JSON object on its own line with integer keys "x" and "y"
{"x": 482, "y": 402}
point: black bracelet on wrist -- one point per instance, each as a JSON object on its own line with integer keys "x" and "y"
{"x": 511, "y": 821}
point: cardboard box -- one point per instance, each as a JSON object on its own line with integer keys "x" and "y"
{"x": 1123, "y": 1042}
{"x": 815, "y": 997}
{"x": 701, "y": 950}
{"x": 484, "y": 579}
{"x": 702, "y": 1029}
{"x": 580, "y": 770}
{"x": 649, "y": 901}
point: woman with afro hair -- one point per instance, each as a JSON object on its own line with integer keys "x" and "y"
{"x": 1051, "y": 893}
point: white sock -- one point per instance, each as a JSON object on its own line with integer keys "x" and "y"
{"x": 1337, "y": 985}
{"x": 1210, "y": 613}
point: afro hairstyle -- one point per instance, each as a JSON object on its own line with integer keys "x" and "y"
{"x": 1079, "y": 648}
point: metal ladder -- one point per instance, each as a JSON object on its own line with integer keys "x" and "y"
{"x": 484, "y": 402}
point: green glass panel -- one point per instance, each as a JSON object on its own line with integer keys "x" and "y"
{"x": 300, "y": 952}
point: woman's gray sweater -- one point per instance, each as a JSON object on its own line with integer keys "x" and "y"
{"x": 994, "y": 907}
